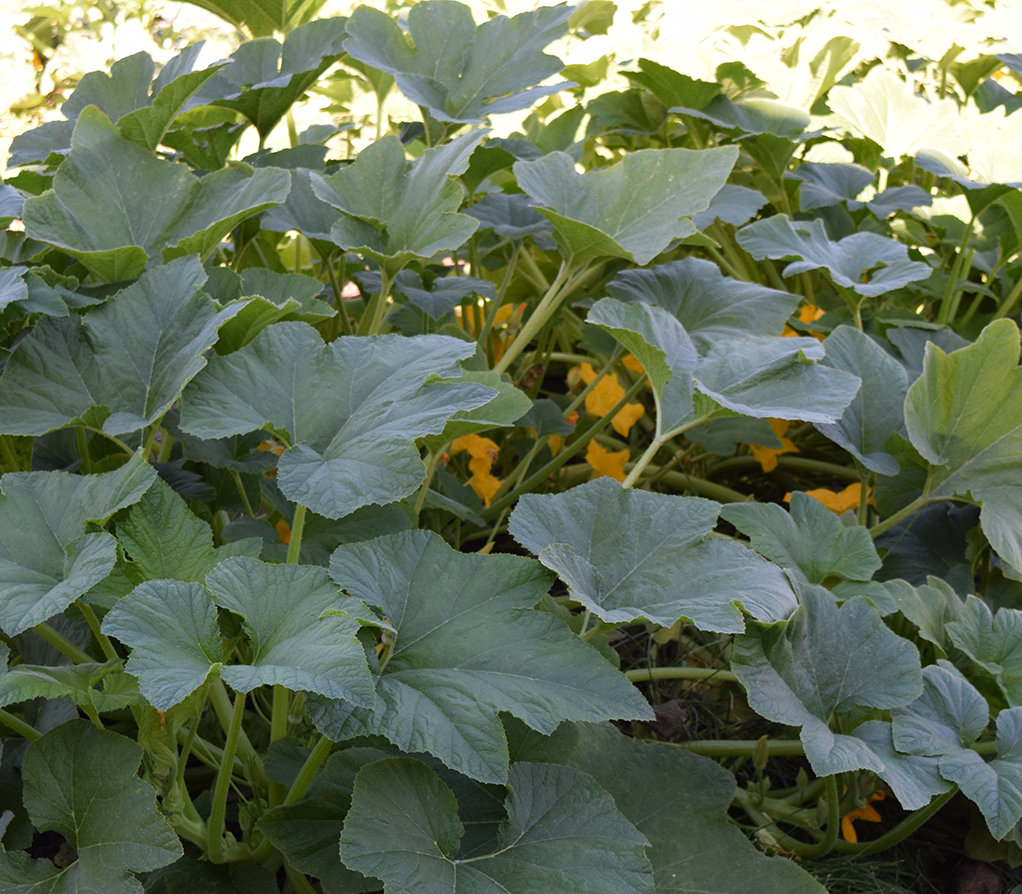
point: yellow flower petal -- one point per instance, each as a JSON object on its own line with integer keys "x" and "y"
{"x": 767, "y": 456}
{"x": 837, "y": 501}
{"x": 283, "y": 531}
{"x": 627, "y": 416}
{"x": 606, "y": 464}
{"x": 631, "y": 363}
{"x": 848, "y": 830}
{"x": 806, "y": 314}
{"x": 485, "y": 485}
{"x": 556, "y": 443}
{"x": 478, "y": 447}
{"x": 601, "y": 400}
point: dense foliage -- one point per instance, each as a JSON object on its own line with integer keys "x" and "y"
{"x": 351, "y": 498}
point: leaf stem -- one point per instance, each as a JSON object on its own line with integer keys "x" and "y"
{"x": 898, "y": 516}
{"x": 796, "y": 463}
{"x": 278, "y": 730}
{"x": 826, "y": 844}
{"x": 223, "y": 782}
{"x": 101, "y": 638}
{"x": 543, "y": 312}
{"x": 645, "y": 675}
{"x": 236, "y": 475}
{"x": 62, "y": 644}
{"x": 294, "y": 546}
{"x": 83, "y": 449}
{"x": 431, "y": 466}
{"x": 320, "y": 752}
{"x": 567, "y": 453}
{"x": 742, "y": 748}
{"x": 221, "y": 703}
{"x": 19, "y": 726}
{"x": 378, "y": 305}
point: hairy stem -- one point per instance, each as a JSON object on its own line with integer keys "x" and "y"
{"x": 223, "y": 782}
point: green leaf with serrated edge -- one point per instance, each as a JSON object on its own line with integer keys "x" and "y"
{"x": 81, "y": 782}
{"x": 171, "y": 628}
{"x": 886, "y": 110}
{"x": 165, "y": 540}
{"x": 351, "y": 409}
{"x": 293, "y": 615}
{"x": 634, "y": 209}
{"x": 964, "y": 415}
{"x": 394, "y": 211}
{"x": 866, "y": 263}
{"x": 468, "y": 645}
{"x": 13, "y": 288}
{"x": 563, "y": 833}
{"x": 505, "y": 409}
{"x": 307, "y": 832}
{"x": 192, "y": 874}
{"x": 733, "y": 204}
{"x": 125, "y": 361}
{"x": 994, "y": 787}
{"x": 619, "y": 551}
{"x": 680, "y": 802}
{"x": 46, "y": 559}
{"x": 75, "y": 681}
{"x": 710, "y": 306}
{"x": 752, "y": 117}
{"x": 302, "y": 211}
{"x": 671, "y": 87}
{"x": 993, "y": 641}
{"x": 265, "y": 78}
{"x": 302, "y": 631}
{"x": 931, "y": 607}
{"x": 809, "y": 539}
{"x": 262, "y": 18}
{"x": 824, "y": 185}
{"x": 950, "y": 715}
{"x": 459, "y": 72}
{"x": 823, "y": 661}
{"x": 913, "y": 778}
{"x": 877, "y": 411}
{"x": 758, "y": 376}
{"x": 114, "y": 205}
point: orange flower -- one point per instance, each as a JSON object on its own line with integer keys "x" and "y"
{"x": 274, "y": 446}
{"x": 283, "y": 531}
{"x": 630, "y": 363}
{"x": 767, "y": 456}
{"x": 867, "y": 814}
{"x": 508, "y": 318}
{"x": 838, "y": 501}
{"x": 806, "y": 314}
{"x": 605, "y": 396}
{"x": 483, "y": 454}
{"x": 606, "y": 464}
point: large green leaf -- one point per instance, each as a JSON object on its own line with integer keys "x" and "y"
{"x": 294, "y": 617}
{"x": 468, "y": 645}
{"x": 351, "y": 410}
{"x": 395, "y": 211}
{"x": 824, "y": 661}
{"x": 46, "y": 558}
{"x": 877, "y": 411}
{"x": 629, "y": 554}
{"x": 866, "y": 263}
{"x": 680, "y": 802}
{"x": 114, "y": 205}
{"x": 712, "y": 307}
{"x": 824, "y": 185}
{"x": 265, "y": 78}
{"x": 563, "y": 833}
{"x": 964, "y": 415}
{"x": 931, "y": 607}
{"x": 634, "y": 209}
{"x": 759, "y": 376}
{"x": 75, "y": 681}
{"x": 120, "y": 366}
{"x": 810, "y": 540}
{"x": 457, "y": 71}
{"x": 995, "y": 787}
{"x": 993, "y": 641}
{"x": 262, "y": 18}
{"x": 82, "y": 783}
{"x": 950, "y": 714}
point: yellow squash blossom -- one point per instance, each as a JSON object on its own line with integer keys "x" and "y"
{"x": 867, "y": 814}
{"x": 806, "y": 314}
{"x": 283, "y": 530}
{"x": 631, "y": 363}
{"x": 605, "y": 396}
{"x": 482, "y": 455}
{"x": 767, "y": 456}
{"x": 508, "y": 317}
{"x": 606, "y": 464}
{"x": 838, "y": 501}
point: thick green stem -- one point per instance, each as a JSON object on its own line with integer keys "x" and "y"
{"x": 320, "y": 752}
{"x": 221, "y": 703}
{"x": 294, "y": 545}
{"x": 648, "y": 674}
{"x": 826, "y": 844}
{"x": 795, "y": 463}
{"x": 946, "y": 302}
{"x": 902, "y": 514}
{"x": 298, "y": 881}
{"x": 62, "y": 644}
{"x": 223, "y": 782}
{"x": 83, "y": 449}
{"x": 567, "y": 453}
{"x": 431, "y": 466}
{"x": 377, "y": 305}
{"x": 646, "y": 457}
{"x": 336, "y": 289}
{"x": 543, "y": 312}
{"x": 699, "y": 486}
{"x": 19, "y": 726}
{"x": 101, "y": 638}
{"x": 236, "y": 475}
{"x": 1008, "y": 305}
{"x": 278, "y": 730}
{"x": 743, "y": 748}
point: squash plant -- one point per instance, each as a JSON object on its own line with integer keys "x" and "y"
{"x": 350, "y": 498}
